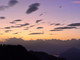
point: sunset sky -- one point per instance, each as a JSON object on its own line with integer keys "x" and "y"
{"x": 53, "y": 19}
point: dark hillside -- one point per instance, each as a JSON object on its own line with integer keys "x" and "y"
{"x": 18, "y": 52}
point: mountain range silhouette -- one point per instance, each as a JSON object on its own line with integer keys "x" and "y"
{"x": 71, "y": 54}
{"x": 18, "y": 52}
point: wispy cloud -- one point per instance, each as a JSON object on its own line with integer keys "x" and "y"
{"x": 16, "y": 32}
{"x": 32, "y": 25}
{"x": 55, "y": 24}
{"x": 27, "y": 28}
{"x": 8, "y": 31}
{"x": 52, "y": 23}
{"x": 3, "y": 7}
{"x": 16, "y": 26}
{"x": 13, "y": 22}
{"x": 25, "y": 24}
{"x": 75, "y": 1}
{"x": 42, "y": 13}
{"x": 56, "y": 30}
{"x": 12, "y": 3}
{"x": 1, "y": 34}
{"x": 37, "y": 33}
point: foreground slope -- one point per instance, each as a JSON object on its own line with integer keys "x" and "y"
{"x": 18, "y": 52}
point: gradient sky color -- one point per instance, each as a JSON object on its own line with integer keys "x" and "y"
{"x": 52, "y": 13}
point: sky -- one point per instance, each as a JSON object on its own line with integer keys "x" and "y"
{"x": 40, "y": 19}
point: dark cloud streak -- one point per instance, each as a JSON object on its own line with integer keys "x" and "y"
{"x": 25, "y": 24}
{"x": 57, "y": 24}
{"x": 74, "y": 24}
{"x": 18, "y": 20}
{"x": 7, "y": 27}
{"x": 39, "y": 27}
{"x": 56, "y": 30}
{"x": 65, "y": 28}
{"x": 36, "y": 33}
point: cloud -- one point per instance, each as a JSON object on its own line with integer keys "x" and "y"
{"x": 2, "y": 17}
{"x": 39, "y": 27}
{"x": 12, "y": 3}
{"x": 8, "y": 31}
{"x": 20, "y": 25}
{"x": 32, "y": 25}
{"x": 33, "y": 7}
{"x": 36, "y": 33}
{"x": 60, "y": 6}
{"x": 37, "y": 21}
{"x": 42, "y": 13}
{"x": 57, "y": 24}
{"x": 12, "y": 26}
{"x": 56, "y": 30}
{"x": 25, "y": 24}
{"x": 16, "y": 33}
{"x": 1, "y": 34}
{"x": 3, "y": 7}
{"x": 74, "y": 24}
{"x": 75, "y": 1}
{"x": 18, "y": 20}
{"x": 13, "y": 22}
{"x": 14, "y": 41}
{"x": 7, "y": 27}
{"x": 16, "y": 26}
{"x": 51, "y": 34}
{"x": 26, "y": 28}
{"x": 52, "y": 23}
{"x": 65, "y": 28}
